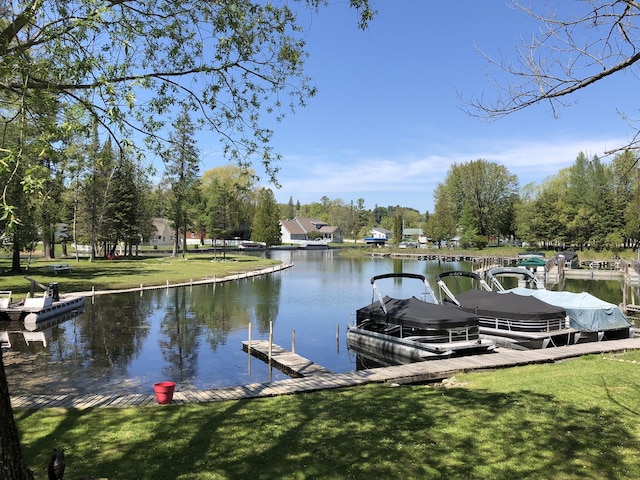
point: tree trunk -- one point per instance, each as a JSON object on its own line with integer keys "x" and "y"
{"x": 49, "y": 246}
{"x": 12, "y": 465}
{"x": 176, "y": 242}
{"x": 15, "y": 259}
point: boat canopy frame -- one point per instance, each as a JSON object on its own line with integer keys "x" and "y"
{"x": 525, "y": 273}
{"x": 428, "y": 291}
{"x": 459, "y": 273}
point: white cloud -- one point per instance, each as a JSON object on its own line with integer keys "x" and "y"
{"x": 410, "y": 179}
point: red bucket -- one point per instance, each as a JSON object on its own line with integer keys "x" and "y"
{"x": 164, "y": 392}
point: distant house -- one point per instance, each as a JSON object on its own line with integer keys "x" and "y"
{"x": 194, "y": 238}
{"x": 300, "y": 230}
{"x": 163, "y": 235}
{"x": 379, "y": 232}
{"x": 378, "y": 236}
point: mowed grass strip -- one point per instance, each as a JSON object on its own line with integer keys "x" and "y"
{"x": 128, "y": 272}
{"x": 571, "y": 420}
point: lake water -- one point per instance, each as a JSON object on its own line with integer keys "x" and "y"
{"x": 193, "y": 336}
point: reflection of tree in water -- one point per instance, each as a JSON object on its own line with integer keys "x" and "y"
{"x": 107, "y": 336}
{"x": 267, "y": 301}
{"x": 179, "y": 340}
{"x": 223, "y": 309}
{"x": 227, "y": 307}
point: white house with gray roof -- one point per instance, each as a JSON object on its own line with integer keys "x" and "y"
{"x": 300, "y": 230}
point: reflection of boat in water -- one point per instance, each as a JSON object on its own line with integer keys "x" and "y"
{"x": 34, "y": 309}
{"x": 509, "y": 319}
{"x": 594, "y": 318}
{"x": 412, "y": 329}
{"x": 31, "y": 331}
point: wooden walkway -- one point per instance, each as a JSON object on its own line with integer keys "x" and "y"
{"x": 287, "y": 362}
{"x": 428, "y": 371}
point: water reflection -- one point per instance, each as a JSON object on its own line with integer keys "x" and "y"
{"x": 193, "y": 335}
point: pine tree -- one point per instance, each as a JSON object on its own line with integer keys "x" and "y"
{"x": 181, "y": 173}
{"x": 266, "y": 222}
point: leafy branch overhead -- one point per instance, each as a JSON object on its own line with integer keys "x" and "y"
{"x": 128, "y": 63}
{"x": 579, "y": 44}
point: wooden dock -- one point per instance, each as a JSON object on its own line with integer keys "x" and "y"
{"x": 287, "y": 362}
{"x": 428, "y": 371}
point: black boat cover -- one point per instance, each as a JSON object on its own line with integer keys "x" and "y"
{"x": 412, "y": 312}
{"x": 508, "y": 306}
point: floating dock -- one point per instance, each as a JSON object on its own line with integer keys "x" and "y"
{"x": 287, "y": 362}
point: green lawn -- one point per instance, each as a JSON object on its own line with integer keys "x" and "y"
{"x": 131, "y": 272}
{"x": 572, "y": 420}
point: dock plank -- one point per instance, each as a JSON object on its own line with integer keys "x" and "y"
{"x": 288, "y": 362}
{"x": 427, "y": 371}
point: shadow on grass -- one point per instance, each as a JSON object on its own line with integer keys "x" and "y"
{"x": 371, "y": 432}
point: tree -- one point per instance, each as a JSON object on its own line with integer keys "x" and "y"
{"x": 398, "y": 233}
{"x": 228, "y": 201}
{"x": 98, "y": 167}
{"x": 266, "y": 222}
{"x": 127, "y": 63}
{"x": 291, "y": 212}
{"x": 468, "y": 227}
{"x": 128, "y": 218}
{"x": 25, "y": 182}
{"x": 487, "y": 189}
{"x": 181, "y": 173}
{"x": 581, "y": 46}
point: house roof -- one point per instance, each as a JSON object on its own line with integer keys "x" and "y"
{"x": 161, "y": 224}
{"x": 329, "y": 229}
{"x": 381, "y": 230}
{"x": 304, "y": 225}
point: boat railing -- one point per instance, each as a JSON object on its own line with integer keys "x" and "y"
{"x": 449, "y": 335}
{"x": 523, "y": 326}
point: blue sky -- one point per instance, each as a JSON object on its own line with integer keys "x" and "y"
{"x": 387, "y": 124}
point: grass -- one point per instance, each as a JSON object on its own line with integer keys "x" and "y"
{"x": 571, "y": 420}
{"x": 128, "y": 272}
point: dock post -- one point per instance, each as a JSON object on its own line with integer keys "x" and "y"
{"x": 270, "y": 348}
{"x": 249, "y": 348}
{"x": 293, "y": 341}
